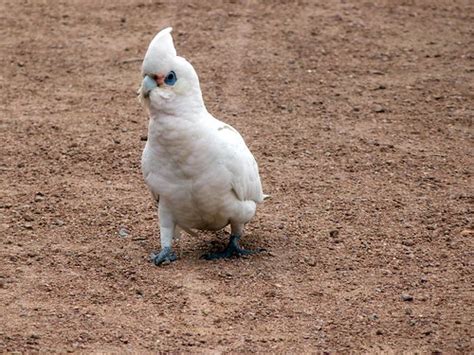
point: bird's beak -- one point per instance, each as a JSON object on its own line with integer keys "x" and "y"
{"x": 148, "y": 84}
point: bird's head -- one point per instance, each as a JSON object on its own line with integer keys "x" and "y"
{"x": 170, "y": 83}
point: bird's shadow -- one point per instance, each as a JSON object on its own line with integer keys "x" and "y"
{"x": 210, "y": 242}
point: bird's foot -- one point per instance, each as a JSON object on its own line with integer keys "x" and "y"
{"x": 232, "y": 249}
{"x": 165, "y": 256}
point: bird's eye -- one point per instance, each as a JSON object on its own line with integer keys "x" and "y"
{"x": 170, "y": 78}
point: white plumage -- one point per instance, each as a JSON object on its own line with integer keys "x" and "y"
{"x": 197, "y": 167}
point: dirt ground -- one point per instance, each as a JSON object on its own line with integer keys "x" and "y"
{"x": 360, "y": 114}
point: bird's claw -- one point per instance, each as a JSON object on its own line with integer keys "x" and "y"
{"x": 164, "y": 257}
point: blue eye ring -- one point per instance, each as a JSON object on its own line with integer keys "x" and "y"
{"x": 171, "y": 78}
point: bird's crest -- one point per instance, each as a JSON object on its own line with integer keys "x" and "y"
{"x": 160, "y": 51}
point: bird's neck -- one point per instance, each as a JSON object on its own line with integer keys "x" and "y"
{"x": 170, "y": 126}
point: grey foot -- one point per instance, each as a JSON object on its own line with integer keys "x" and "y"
{"x": 232, "y": 249}
{"x": 165, "y": 256}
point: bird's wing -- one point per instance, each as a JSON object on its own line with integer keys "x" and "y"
{"x": 238, "y": 159}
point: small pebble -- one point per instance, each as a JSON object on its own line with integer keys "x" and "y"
{"x": 379, "y": 109}
{"x": 123, "y": 232}
{"x": 28, "y": 226}
{"x": 373, "y": 317}
{"x": 28, "y": 218}
{"x": 406, "y": 297}
{"x": 39, "y": 197}
{"x": 310, "y": 261}
{"x": 408, "y": 242}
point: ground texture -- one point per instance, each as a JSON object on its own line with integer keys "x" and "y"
{"x": 360, "y": 115}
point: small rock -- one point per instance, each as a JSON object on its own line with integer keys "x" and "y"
{"x": 278, "y": 285}
{"x": 379, "y": 332}
{"x": 28, "y": 226}
{"x": 310, "y": 261}
{"x": 143, "y": 138}
{"x": 59, "y": 222}
{"x": 39, "y": 197}
{"x": 379, "y": 109}
{"x": 28, "y": 218}
{"x": 408, "y": 242}
{"x": 406, "y": 297}
{"x": 123, "y": 232}
{"x": 334, "y": 233}
{"x": 373, "y": 317}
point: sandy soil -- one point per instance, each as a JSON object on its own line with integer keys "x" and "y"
{"x": 360, "y": 115}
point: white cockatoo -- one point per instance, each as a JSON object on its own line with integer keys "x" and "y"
{"x": 198, "y": 168}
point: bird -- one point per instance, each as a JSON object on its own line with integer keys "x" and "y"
{"x": 198, "y": 169}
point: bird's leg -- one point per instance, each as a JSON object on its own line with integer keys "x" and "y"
{"x": 233, "y": 248}
{"x": 167, "y": 230}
